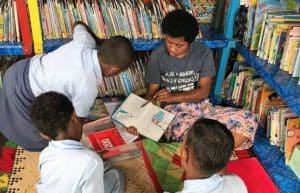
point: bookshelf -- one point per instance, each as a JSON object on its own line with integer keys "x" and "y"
{"x": 273, "y": 161}
{"x": 11, "y": 48}
{"x": 286, "y": 86}
{"x": 143, "y": 44}
{"x": 288, "y": 89}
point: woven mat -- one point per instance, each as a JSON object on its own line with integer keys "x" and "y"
{"x": 25, "y": 174}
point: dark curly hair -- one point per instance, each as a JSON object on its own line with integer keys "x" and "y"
{"x": 179, "y": 23}
{"x": 51, "y": 112}
{"x": 211, "y": 143}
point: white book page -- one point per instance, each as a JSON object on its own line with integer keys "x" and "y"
{"x": 153, "y": 121}
{"x": 128, "y": 112}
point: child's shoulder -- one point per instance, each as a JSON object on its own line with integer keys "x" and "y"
{"x": 234, "y": 183}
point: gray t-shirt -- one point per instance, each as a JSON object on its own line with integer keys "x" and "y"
{"x": 180, "y": 74}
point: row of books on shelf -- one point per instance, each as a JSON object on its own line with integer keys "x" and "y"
{"x": 105, "y": 132}
{"x": 52, "y": 19}
{"x": 131, "y": 80}
{"x": 9, "y": 23}
{"x": 279, "y": 39}
{"x": 246, "y": 89}
{"x": 278, "y": 43}
{"x": 255, "y": 17}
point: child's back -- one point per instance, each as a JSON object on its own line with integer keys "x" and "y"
{"x": 68, "y": 166}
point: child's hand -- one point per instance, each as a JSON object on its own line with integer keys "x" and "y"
{"x": 132, "y": 130}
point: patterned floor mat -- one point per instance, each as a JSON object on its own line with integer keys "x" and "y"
{"x": 25, "y": 174}
{"x": 7, "y": 156}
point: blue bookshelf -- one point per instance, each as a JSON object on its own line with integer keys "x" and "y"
{"x": 9, "y": 48}
{"x": 273, "y": 161}
{"x": 285, "y": 86}
{"x": 143, "y": 44}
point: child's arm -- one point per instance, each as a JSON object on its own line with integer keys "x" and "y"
{"x": 94, "y": 36}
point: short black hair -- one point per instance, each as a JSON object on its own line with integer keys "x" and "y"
{"x": 51, "y": 112}
{"x": 118, "y": 51}
{"x": 211, "y": 143}
{"x": 179, "y": 23}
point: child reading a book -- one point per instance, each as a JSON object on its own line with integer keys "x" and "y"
{"x": 74, "y": 69}
{"x": 66, "y": 165}
{"x": 180, "y": 74}
{"x": 205, "y": 151}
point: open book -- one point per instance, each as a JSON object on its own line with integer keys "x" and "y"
{"x": 150, "y": 120}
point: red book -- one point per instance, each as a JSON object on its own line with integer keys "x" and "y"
{"x": 253, "y": 174}
{"x": 106, "y": 139}
{"x": 23, "y": 18}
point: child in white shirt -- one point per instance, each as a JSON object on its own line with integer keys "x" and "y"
{"x": 206, "y": 149}
{"x": 66, "y": 165}
{"x": 74, "y": 69}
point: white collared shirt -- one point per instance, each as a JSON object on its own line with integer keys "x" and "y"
{"x": 67, "y": 166}
{"x": 215, "y": 184}
{"x": 73, "y": 70}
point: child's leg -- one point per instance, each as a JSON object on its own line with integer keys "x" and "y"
{"x": 113, "y": 179}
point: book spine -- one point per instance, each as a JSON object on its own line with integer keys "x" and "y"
{"x": 35, "y": 26}
{"x": 24, "y": 27}
{"x": 126, "y": 82}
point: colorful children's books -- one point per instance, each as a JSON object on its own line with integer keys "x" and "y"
{"x": 265, "y": 6}
{"x": 203, "y": 10}
{"x": 150, "y": 120}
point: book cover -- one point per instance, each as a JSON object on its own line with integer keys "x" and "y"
{"x": 150, "y": 120}
{"x": 296, "y": 71}
{"x": 285, "y": 116}
{"x": 292, "y": 137}
{"x": 281, "y": 112}
{"x": 294, "y": 163}
{"x": 105, "y": 140}
{"x": 268, "y": 97}
{"x": 35, "y": 26}
{"x": 23, "y": 18}
{"x": 203, "y": 10}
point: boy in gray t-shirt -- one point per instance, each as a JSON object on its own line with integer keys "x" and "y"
{"x": 180, "y": 64}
